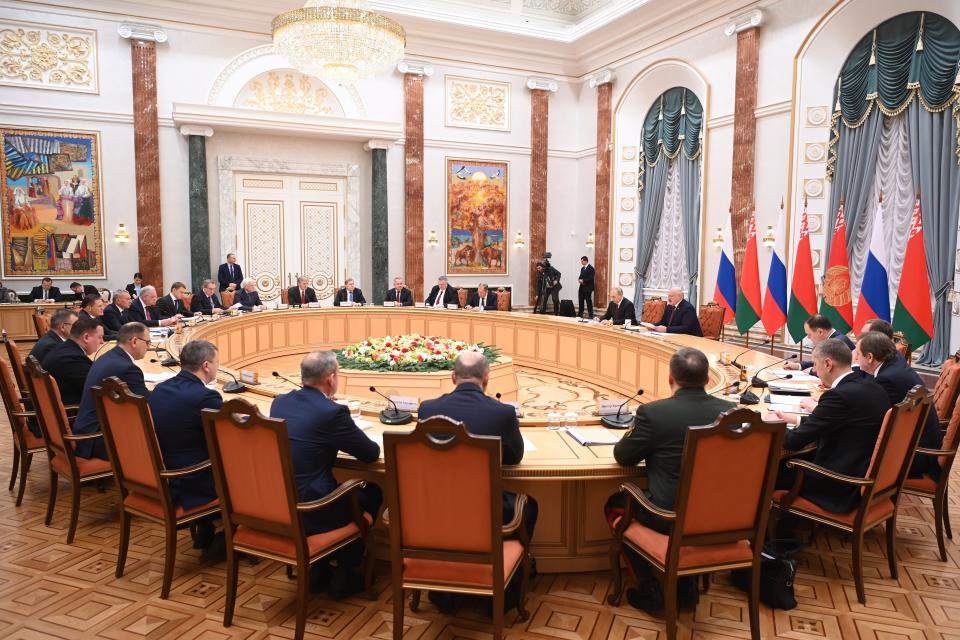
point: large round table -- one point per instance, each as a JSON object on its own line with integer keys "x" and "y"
{"x": 570, "y": 482}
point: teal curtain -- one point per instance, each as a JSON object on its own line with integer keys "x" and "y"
{"x": 675, "y": 119}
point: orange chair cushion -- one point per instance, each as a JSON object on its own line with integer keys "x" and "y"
{"x": 283, "y": 546}
{"x": 655, "y": 543}
{"x": 924, "y": 483}
{"x": 879, "y": 511}
{"x": 33, "y": 442}
{"x": 146, "y": 504}
{"x": 461, "y": 573}
{"x": 86, "y": 466}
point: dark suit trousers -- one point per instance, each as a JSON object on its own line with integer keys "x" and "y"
{"x": 549, "y": 294}
{"x": 615, "y": 509}
{"x": 339, "y": 515}
{"x": 586, "y": 296}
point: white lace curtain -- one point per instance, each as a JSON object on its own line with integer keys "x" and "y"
{"x": 668, "y": 266}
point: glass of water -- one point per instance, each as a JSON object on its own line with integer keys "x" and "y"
{"x": 554, "y": 420}
{"x": 570, "y": 419}
{"x": 354, "y": 409}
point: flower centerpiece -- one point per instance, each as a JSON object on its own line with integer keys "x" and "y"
{"x": 411, "y": 352}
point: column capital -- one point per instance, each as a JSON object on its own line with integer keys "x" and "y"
{"x": 743, "y": 22}
{"x": 604, "y": 76}
{"x": 141, "y": 31}
{"x": 544, "y": 84}
{"x": 370, "y": 145}
{"x": 415, "y": 67}
{"x": 196, "y": 130}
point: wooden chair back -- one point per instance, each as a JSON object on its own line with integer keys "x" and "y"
{"x": 12, "y": 402}
{"x": 711, "y": 320}
{"x": 285, "y": 296}
{"x": 51, "y": 415}
{"x": 503, "y": 300}
{"x": 16, "y": 362}
{"x": 226, "y": 298}
{"x": 187, "y": 301}
{"x": 41, "y": 324}
{"x": 895, "y": 447}
{"x": 951, "y": 440}
{"x": 652, "y": 310}
{"x": 948, "y": 386}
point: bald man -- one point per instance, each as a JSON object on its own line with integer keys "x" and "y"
{"x": 679, "y": 316}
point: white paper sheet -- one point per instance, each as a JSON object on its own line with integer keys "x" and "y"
{"x": 527, "y": 445}
{"x": 593, "y": 435}
{"x": 158, "y": 377}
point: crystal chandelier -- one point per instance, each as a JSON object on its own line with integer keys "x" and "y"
{"x": 338, "y": 40}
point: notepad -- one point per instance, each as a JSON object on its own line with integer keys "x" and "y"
{"x": 788, "y": 408}
{"x": 158, "y": 377}
{"x": 588, "y": 436}
{"x": 793, "y": 401}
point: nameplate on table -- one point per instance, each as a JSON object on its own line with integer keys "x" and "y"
{"x": 282, "y": 306}
{"x": 589, "y": 436}
{"x": 346, "y": 303}
{"x": 406, "y": 403}
{"x": 610, "y": 407}
{"x": 249, "y": 377}
{"x": 313, "y": 305}
{"x": 453, "y": 306}
{"x": 388, "y": 303}
{"x": 419, "y": 305}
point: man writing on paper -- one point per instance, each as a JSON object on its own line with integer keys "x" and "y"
{"x": 619, "y": 310}
{"x": 678, "y": 317}
{"x": 657, "y": 438}
{"x": 818, "y": 328}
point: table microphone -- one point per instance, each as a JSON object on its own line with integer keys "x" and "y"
{"x": 155, "y": 361}
{"x": 757, "y": 382}
{"x": 744, "y": 352}
{"x": 618, "y": 421}
{"x": 395, "y": 416}
{"x": 286, "y": 379}
{"x": 729, "y": 390}
{"x": 232, "y": 387}
{"x": 170, "y": 361}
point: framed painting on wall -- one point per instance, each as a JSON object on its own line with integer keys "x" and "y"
{"x": 476, "y": 217}
{"x": 51, "y": 205}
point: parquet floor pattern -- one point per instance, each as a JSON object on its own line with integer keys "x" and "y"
{"x": 49, "y": 589}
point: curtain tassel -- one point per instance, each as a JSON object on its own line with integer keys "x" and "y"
{"x": 923, "y": 17}
{"x": 873, "y": 50}
{"x": 920, "y": 43}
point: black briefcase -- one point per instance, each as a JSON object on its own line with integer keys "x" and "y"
{"x": 567, "y": 310}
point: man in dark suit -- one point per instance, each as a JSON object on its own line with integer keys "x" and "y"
{"x": 92, "y": 307}
{"x": 46, "y": 292}
{"x": 76, "y": 293}
{"x": 349, "y": 295}
{"x": 69, "y": 361}
{"x": 657, "y": 438}
{"x": 134, "y": 287}
{"x": 585, "y": 292}
{"x": 301, "y": 294}
{"x": 678, "y": 317}
{"x": 399, "y": 294}
{"x": 442, "y": 294}
{"x": 879, "y": 359}
{"x": 171, "y": 304}
{"x": 115, "y": 314}
{"x": 844, "y": 423}
{"x": 207, "y": 302}
{"x": 132, "y": 344}
{"x": 819, "y": 328}
{"x": 248, "y": 297}
{"x": 620, "y": 310}
{"x": 319, "y": 428}
{"x": 483, "y": 299}
{"x": 60, "y": 325}
{"x": 142, "y": 310}
{"x": 229, "y": 274}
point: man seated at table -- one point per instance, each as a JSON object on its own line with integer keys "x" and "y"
{"x": 878, "y": 358}
{"x": 133, "y": 342}
{"x": 248, "y": 297}
{"x": 657, "y": 438}
{"x": 60, "y": 325}
{"x": 301, "y": 294}
{"x": 619, "y": 310}
{"x": 845, "y": 424}
{"x": 482, "y": 416}
{"x": 76, "y": 293}
{"x": 115, "y": 314}
{"x": 349, "y": 295}
{"x": 134, "y": 287}
{"x": 46, "y": 292}
{"x": 142, "y": 309}
{"x": 319, "y": 428}
{"x": 399, "y": 294}
{"x": 483, "y": 299}
{"x": 171, "y": 304}
{"x": 679, "y": 316}
{"x": 92, "y": 307}
{"x": 819, "y": 328}
{"x": 69, "y": 362}
{"x": 442, "y": 294}
{"x": 206, "y": 302}
{"x": 176, "y": 405}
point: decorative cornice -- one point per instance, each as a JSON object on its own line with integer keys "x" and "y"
{"x": 194, "y": 130}
{"x": 141, "y": 31}
{"x": 744, "y": 21}
{"x": 604, "y": 76}
{"x": 370, "y": 145}
{"x": 415, "y": 67}
{"x": 544, "y": 84}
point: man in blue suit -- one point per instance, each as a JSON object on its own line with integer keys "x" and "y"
{"x": 319, "y": 429}
{"x": 678, "y": 317}
{"x": 133, "y": 340}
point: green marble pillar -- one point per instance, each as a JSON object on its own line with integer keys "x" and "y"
{"x": 199, "y": 214}
{"x": 378, "y": 222}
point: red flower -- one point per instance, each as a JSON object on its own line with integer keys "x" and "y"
{"x": 459, "y": 347}
{"x": 375, "y": 357}
{"x": 404, "y": 350}
{"x": 420, "y": 357}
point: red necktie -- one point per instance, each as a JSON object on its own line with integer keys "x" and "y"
{"x": 146, "y": 312}
{"x": 672, "y": 313}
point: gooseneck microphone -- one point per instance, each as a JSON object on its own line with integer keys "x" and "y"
{"x": 757, "y": 382}
{"x": 286, "y": 379}
{"x": 745, "y": 352}
{"x": 232, "y": 387}
{"x": 393, "y": 416}
{"x": 162, "y": 363}
{"x": 618, "y": 421}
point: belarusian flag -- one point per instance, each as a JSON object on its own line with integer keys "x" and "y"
{"x": 748, "y": 297}
{"x": 803, "y": 292}
{"x": 913, "y": 314}
{"x": 837, "y": 301}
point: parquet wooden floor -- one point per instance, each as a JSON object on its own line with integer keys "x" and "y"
{"x": 49, "y": 589}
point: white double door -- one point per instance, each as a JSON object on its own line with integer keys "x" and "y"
{"x": 290, "y": 225}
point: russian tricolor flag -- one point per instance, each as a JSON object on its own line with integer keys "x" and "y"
{"x": 874, "y": 301}
{"x": 726, "y": 292}
{"x": 774, "y": 313}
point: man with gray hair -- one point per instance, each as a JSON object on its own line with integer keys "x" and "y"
{"x": 442, "y": 294}
{"x": 206, "y": 302}
{"x": 115, "y": 314}
{"x": 142, "y": 309}
{"x": 60, "y": 325}
{"x": 319, "y": 429}
{"x": 679, "y": 316}
{"x": 301, "y": 294}
{"x": 349, "y": 295}
{"x": 620, "y": 310}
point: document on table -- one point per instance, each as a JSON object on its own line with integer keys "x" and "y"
{"x": 588, "y": 436}
{"x": 793, "y": 401}
{"x": 527, "y": 444}
{"x": 158, "y": 377}
{"x": 798, "y": 376}
{"x": 788, "y": 408}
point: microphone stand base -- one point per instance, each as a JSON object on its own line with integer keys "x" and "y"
{"x": 233, "y": 387}
{"x": 617, "y": 422}
{"x": 395, "y": 417}
{"x": 757, "y": 382}
{"x": 749, "y": 398}
{"x": 170, "y": 362}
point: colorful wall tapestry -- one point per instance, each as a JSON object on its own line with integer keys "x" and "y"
{"x": 51, "y": 206}
{"x": 476, "y": 217}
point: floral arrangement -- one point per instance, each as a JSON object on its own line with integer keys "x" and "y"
{"x": 407, "y": 353}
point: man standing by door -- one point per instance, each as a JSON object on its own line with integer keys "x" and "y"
{"x": 587, "y": 274}
{"x": 230, "y": 275}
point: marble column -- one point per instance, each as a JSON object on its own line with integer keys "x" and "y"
{"x": 603, "y": 82}
{"x": 744, "y": 128}
{"x": 414, "y": 74}
{"x": 540, "y": 90}
{"x": 379, "y": 233}
{"x": 143, "y": 47}
{"x": 200, "y": 267}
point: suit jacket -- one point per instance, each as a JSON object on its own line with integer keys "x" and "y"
{"x": 318, "y": 429}
{"x": 43, "y": 346}
{"x": 659, "y": 433}
{"x": 201, "y": 303}
{"x": 342, "y": 296}
{"x": 107, "y": 333}
{"x": 224, "y": 278}
{"x": 69, "y": 365}
{"x": 132, "y": 290}
{"x": 836, "y": 335}
{"x": 73, "y": 296}
{"x": 115, "y": 362}
{"x": 450, "y": 296}
{"x": 845, "y": 426}
{"x": 168, "y": 306}
{"x": 113, "y": 317}
{"x": 176, "y": 405}
{"x": 490, "y": 302}
{"x": 247, "y": 300}
{"x": 406, "y": 297}
{"x": 53, "y": 294}
{"x": 135, "y": 314}
{"x": 587, "y": 274}
{"x": 620, "y": 314}
{"x": 681, "y": 319}
{"x": 293, "y": 295}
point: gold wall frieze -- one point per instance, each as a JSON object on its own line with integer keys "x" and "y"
{"x": 477, "y": 104}
{"x": 48, "y": 57}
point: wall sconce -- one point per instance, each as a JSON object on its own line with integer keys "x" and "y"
{"x": 121, "y": 235}
{"x": 518, "y": 242}
{"x": 432, "y": 240}
{"x": 590, "y": 241}
{"x": 718, "y": 238}
{"x": 769, "y": 239}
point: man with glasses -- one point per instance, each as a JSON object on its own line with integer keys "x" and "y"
{"x": 60, "y": 325}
